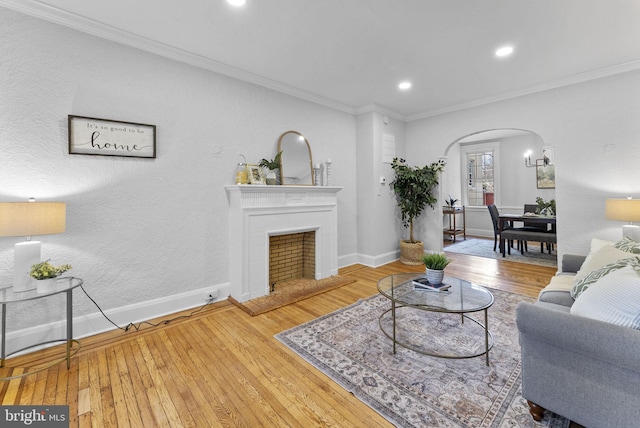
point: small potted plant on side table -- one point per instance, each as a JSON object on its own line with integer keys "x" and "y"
{"x": 435, "y": 264}
{"x": 46, "y": 274}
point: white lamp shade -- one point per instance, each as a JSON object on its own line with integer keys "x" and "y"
{"x": 623, "y": 209}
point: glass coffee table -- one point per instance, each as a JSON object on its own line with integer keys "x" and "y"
{"x": 462, "y": 297}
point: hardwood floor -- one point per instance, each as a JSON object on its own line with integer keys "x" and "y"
{"x": 222, "y": 367}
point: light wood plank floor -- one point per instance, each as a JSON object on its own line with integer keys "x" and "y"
{"x": 222, "y": 367}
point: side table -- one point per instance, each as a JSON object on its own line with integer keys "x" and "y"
{"x": 455, "y": 229}
{"x": 64, "y": 285}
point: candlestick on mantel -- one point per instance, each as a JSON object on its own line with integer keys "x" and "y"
{"x": 328, "y": 167}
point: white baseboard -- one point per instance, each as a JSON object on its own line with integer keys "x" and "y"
{"x": 95, "y": 323}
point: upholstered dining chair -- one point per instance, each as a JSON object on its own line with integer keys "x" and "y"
{"x": 495, "y": 218}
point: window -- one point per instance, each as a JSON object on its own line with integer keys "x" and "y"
{"x": 480, "y": 178}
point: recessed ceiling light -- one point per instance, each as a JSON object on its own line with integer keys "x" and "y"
{"x": 504, "y": 51}
{"x": 404, "y": 85}
{"x": 237, "y": 3}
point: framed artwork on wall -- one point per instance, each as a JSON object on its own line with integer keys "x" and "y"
{"x": 92, "y": 136}
{"x": 545, "y": 175}
{"x": 255, "y": 174}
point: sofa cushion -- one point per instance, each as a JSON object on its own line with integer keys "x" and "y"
{"x": 613, "y": 298}
{"x": 629, "y": 245}
{"x": 595, "y": 260}
{"x": 581, "y": 285}
{"x": 558, "y": 290}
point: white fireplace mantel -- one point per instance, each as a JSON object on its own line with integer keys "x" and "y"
{"x": 257, "y": 212}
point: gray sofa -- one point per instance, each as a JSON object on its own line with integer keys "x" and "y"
{"x": 585, "y": 370}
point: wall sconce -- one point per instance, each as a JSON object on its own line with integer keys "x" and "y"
{"x": 625, "y": 210}
{"x": 27, "y": 219}
{"x": 544, "y": 160}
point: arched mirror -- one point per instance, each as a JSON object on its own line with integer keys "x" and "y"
{"x": 296, "y": 166}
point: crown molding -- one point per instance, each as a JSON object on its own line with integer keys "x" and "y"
{"x": 553, "y": 84}
{"x": 101, "y": 30}
{"x": 377, "y": 108}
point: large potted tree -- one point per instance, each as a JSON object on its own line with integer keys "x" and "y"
{"x": 414, "y": 188}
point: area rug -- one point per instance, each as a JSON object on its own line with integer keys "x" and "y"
{"x": 414, "y": 390}
{"x": 290, "y": 291}
{"x": 484, "y": 248}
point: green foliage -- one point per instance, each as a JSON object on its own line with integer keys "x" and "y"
{"x": 415, "y": 189}
{"x": 436, "y": 261}
{"x": 45, "y": 270}
{"x": 272, "y": 164}
{"x": 544, "y": 206}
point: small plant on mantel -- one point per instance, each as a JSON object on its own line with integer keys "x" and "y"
{"x": 272, "y": 165}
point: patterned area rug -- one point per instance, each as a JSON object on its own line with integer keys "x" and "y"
{"x": 287, "y": 292}
{"x": 484, "y": 248}
{"x": 415, "y": 390}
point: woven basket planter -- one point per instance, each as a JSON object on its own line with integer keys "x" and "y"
{"x": 410, "y": 252}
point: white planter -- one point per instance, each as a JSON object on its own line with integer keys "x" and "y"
{"x": 47, "y": 285}
{"x": 434, "y": 276}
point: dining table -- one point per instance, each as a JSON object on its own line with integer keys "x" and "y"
{"x": 509, "y": 219}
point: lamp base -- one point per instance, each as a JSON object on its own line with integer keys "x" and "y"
{"x": 631, "y": 231}
{"x": 26, "y": 254}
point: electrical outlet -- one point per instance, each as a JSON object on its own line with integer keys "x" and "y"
{"x": 213, "y": 295}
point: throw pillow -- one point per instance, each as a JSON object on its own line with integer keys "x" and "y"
{"x": 605, "y": 255}
{"x": 629, "y": 245}
{"x": 583, "y": 284}
{"x": 614, "y": 298}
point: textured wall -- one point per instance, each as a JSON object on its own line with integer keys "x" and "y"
{"x": 141, "y": 229}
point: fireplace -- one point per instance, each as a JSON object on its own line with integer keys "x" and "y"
{"x": 258, "y": 214}
{"x": 291, "y": 256}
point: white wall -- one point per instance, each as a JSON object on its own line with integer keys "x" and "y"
{"x": 595, "y": 132}
{"x": 141, "y": 229}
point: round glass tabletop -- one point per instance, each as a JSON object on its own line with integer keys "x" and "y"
{"x": 461, "y": 297}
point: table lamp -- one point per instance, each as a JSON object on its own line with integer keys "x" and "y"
{"x": 625, "y": 209}
{"x": 28, "y": 219}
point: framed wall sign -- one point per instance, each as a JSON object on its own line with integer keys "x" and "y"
{"x": 91, "y": 136}
{"x": 545, "y": 175}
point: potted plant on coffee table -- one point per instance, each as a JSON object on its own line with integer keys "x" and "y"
{"x": 415, "y": 188}
{"x": 272, "y": 166}
{"x": 435, "y": 264}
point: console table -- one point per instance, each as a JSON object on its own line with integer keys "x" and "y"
{"x": 454, "y": 228}
{"x": 64, "y": 285}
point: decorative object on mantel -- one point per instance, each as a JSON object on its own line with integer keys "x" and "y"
{"x": 273, "y": 166}
{"x": 92, "y": 136}
{"x": 296, "y": 163}
{"x": 241, "y": 170}
{"x": 30, "y": 219}
{"x": 415, "y": 189}
{"x": 435, "y": 264}
{"x": 47, "y": 275}
{"x": 255, "y": 174}
{"x": 317, "y": 174}
{"x": 328, "y": 169}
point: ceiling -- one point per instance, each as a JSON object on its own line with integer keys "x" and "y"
{"x": 351, "y": 54}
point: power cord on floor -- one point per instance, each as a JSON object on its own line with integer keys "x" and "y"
{"x": 139, "y": 325}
